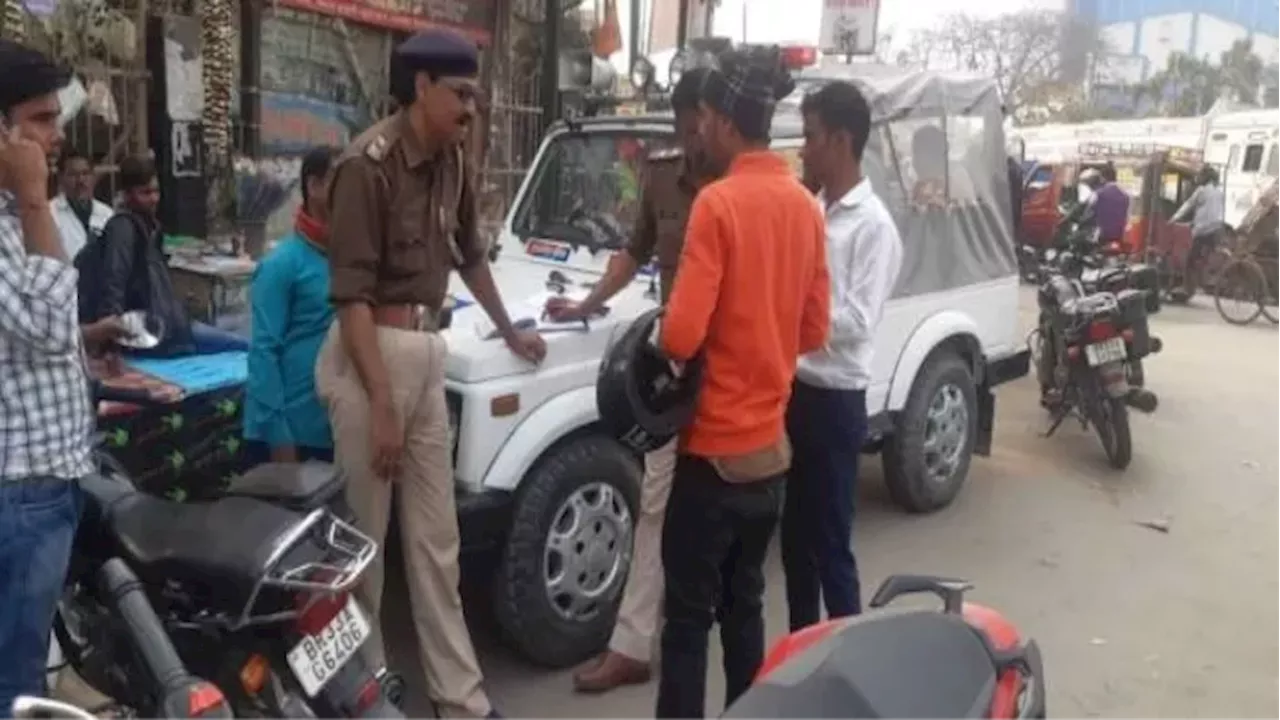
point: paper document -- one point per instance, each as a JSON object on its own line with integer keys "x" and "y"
{"x": 532, "y": 310}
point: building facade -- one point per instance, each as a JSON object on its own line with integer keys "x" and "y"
{"x": 1142, "y": 34}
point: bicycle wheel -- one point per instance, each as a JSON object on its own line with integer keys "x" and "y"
{"x": 1241, "y": 291}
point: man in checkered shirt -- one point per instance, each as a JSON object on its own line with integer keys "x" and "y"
{"x": 45, "y": 410}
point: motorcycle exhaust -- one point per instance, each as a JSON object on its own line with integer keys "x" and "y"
{"x": 1142, "y": 400}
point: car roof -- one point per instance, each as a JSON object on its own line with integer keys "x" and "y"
{"x": 786, "y": 123}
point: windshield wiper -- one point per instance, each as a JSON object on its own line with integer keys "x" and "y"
{"x": 558, "y": 230}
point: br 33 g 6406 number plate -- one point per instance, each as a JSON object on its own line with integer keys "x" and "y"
{"x": 1111, "y": 350}
{"x": 318, "y": 658}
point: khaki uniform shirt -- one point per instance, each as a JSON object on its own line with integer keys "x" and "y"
{"x": 665, "y": 200}
{"x": 399, "y": 220}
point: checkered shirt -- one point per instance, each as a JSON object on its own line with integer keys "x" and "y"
{"x": 46, "y": 415}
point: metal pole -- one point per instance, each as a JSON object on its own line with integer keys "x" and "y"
{"x": 551, "y": 64}
{"x": 634, "y": 43}
{"x": 250, "y": 72}
{"x": 682, "y": 25}
{"x": 744, "y": 21}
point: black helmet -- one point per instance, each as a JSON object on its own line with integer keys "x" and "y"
{"x": 642, "y": 401}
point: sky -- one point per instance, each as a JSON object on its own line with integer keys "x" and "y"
{"x": 798, "y": 20}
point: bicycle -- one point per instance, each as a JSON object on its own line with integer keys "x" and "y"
{"x": 1242, "y": 289}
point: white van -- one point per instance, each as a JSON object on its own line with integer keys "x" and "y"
{"x": 556, "y": 498}
{"x": 1243, "y": 145}
{"x": 1061, "y": 142}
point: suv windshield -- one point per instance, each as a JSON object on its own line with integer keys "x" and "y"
{"x": 586, "y": 188}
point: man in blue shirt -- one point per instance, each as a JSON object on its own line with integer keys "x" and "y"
{"x": 291, "y": 315}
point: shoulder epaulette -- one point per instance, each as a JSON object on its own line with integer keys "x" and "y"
{"x": 377, "y": 148}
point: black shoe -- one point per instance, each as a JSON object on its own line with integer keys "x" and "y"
{"x": 493, "y": 714}
{"x": 392, "y": 688}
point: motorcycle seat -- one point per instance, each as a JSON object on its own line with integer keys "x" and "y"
{"x": 297, "y": 486}
{"x": 919, "y": 664}
{"x": 223, "y": 546}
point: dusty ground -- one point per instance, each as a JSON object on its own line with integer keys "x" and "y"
{"x": 1132, "y": 621}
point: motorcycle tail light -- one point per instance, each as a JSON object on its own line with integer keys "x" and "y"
{"x": 317, "y": 610}
{"x": 203, "y": 698}
{"x": 369, "y": 694}
{"x": 1101, "y": 330}
{"x": 253, "y": 674}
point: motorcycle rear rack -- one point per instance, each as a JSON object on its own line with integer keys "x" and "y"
{"x": 348, "y": 553}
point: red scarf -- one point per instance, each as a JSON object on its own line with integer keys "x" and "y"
{"x": 311, "y": 229}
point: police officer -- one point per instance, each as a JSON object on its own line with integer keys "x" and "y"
{"x": 402, "y": 217}
{"x": 672, "y": 179}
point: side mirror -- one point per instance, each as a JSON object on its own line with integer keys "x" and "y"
{"x": 27, "y": 707}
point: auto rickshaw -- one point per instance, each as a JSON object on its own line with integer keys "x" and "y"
{"x": 1159, "y": 179}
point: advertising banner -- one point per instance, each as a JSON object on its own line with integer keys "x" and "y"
{"x": 472, "y": 17}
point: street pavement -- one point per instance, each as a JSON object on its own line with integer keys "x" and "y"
{"x": 1152, "y": 592}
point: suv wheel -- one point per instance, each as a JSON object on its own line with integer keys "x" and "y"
{"x": 927, "y": 459}
{"x": 569, "y": 551}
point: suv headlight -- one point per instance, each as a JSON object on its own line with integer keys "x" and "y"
{"x": 641, "y": 75}
{"x": 679, "y": 63}
{"x": 453, "y": 402}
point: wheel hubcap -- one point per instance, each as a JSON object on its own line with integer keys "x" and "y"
{"x": 946, "y": 432}
{"x": 588, "y": 550}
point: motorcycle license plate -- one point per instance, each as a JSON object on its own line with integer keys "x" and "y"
{"x": 318, "y": 658}
{"x": 1112, "y": 350}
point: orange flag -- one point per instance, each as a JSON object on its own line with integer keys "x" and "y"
{"x": 607, "y": 37}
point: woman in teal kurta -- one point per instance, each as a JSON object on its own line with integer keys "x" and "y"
{"x": 291, "y": 315}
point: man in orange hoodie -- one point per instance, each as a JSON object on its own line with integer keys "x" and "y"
{"x": 752, "y": 295}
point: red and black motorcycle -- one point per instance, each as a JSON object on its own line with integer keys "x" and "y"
{"x": 967, "y": 661}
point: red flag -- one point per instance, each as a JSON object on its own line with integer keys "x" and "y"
{"x": 606, "y": 39}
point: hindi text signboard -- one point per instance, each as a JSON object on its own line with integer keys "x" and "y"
{"x": 849, "y": 27}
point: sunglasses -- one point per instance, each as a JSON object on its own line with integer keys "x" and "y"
{"x": 466, "y": 91}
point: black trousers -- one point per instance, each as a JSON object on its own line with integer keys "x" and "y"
{"x": 827, "y": 428}
{"x": 714, "y": 542}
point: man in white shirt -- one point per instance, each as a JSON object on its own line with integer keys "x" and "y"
{"x": 80, "y": 217}
{"x": 1205, "y": 210}
{"x": 827, "y": 415}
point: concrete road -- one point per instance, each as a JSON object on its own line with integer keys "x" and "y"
{"x": 1133, "y": 621}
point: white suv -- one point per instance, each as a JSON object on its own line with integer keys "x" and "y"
{"x": 555, "y": 498}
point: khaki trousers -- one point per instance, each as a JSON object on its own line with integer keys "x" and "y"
{"x": 424, "y": 499}
{"x": 642, "y": 600}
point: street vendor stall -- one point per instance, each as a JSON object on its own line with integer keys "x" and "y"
{"x": 189, "y": 447}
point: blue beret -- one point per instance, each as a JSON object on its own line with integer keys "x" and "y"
{"x": 443, "y": 52}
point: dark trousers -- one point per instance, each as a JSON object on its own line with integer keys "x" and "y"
{"x": 827, "y": 429}
{"x": 1202, "y": 247}
{"x": 714, "y": 541}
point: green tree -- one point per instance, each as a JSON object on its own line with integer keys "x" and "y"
{"x": 1189, "y": 86}
{"x": 1029, "y": 53}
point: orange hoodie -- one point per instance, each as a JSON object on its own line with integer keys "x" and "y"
{"x": 752, "y": 293}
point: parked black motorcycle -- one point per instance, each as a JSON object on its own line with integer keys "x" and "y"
{"x": 1088, "y": 348}
{"x": 251, "y": 590}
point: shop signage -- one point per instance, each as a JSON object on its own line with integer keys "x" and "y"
{"x": 294, "y": 124}
{"x": 849, "y": 27}
{"x": 473, "y": 17}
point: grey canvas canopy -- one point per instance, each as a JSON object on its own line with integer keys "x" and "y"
{"x": 937, "y": 157}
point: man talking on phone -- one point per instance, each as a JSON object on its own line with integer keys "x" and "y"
{"x": 46, "y": 416}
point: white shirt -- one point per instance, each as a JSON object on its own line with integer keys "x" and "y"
{"x": 1207, "y": 207}
{"x": 864, "y": 255}
{"x": 71, "y": 230}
